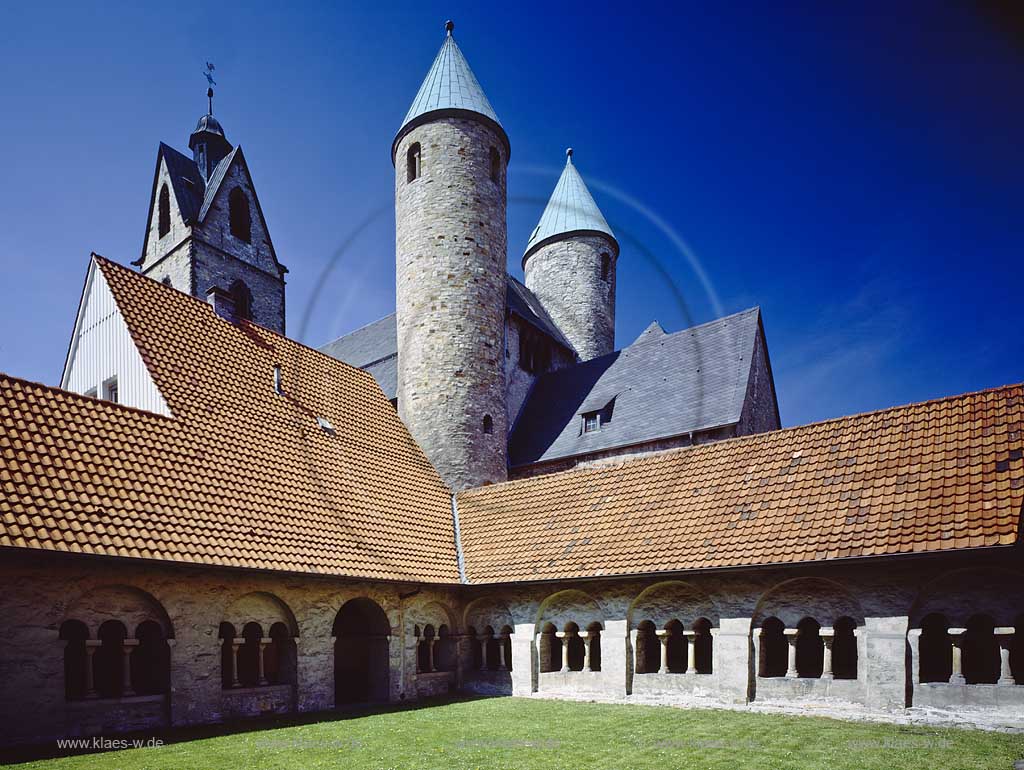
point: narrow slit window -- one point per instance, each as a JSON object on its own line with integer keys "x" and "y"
{"x": 488, "y": 425}
{"x": 495, "y": 165}
{"x": 412, "y": 162}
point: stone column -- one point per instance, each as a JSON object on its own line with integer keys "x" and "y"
{"x": 126, "y": 666}
{"x": 482, "y": 639}
{"x": 237, "y": 642}
{"x": 1005, "y": 637}
{"x": 91, "y": 645}
{"x": 586, "y": 636}
{"x": 733, "y": 668}
{"x": 828, "y": 636}
{"x": 502, "y": 665}
{"x": 564, "y": 637}
{"x": 524, "y": 656}
{"x": 614, "y": 639}
{"x": 791, "y": 635}
{"x": 263, "y": 646}
{"x": 430, "y": 653}
{"x": 956, "y": 636}
{"x": 691, "y": 652}
{"x": 663, "y": 637}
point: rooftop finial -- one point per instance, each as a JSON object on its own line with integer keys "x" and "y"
{"x": 449, "y": 26}
{"x": 568, "y": 155}
{"x": 208, "y": 73}
{"x": 209, "y": 95}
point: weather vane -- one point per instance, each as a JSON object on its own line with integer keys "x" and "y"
{"x": 208, "y": 73}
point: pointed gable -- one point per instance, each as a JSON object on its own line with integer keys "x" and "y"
{"x": 571, "y": 210}
{"x": 186, "y": 189}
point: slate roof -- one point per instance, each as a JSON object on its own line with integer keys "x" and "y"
{"x": 570, "y": 210}
{"x": 194, "y": 196}
{"x": 374, "y": 347}
{"x": 937, "y": 476}
{"x": 449, "y": 85}
{"x": 239, "y": 476}
{"x": 660, "y": 386}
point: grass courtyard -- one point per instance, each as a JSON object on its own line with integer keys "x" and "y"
{"x": 519, "y": 733}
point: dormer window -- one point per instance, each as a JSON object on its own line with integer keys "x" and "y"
{"x": 163, "y": 216}
{"x": 591, "y": 422}
{"x": 412, "y": 162}
{"x": 110, "y": 390}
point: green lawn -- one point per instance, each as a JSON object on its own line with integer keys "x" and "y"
{"x": 519, "y": 733}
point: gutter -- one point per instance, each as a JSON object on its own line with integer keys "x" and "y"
{"x": 458, "y": 542}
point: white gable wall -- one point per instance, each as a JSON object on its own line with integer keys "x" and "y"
{"x": 102, "y": 348}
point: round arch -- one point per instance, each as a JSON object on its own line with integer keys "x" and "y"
{"x": 569, "y": 606}
{"x": 127, "y": 604}
{"x": 670, "y": 600}
{"x": 793, "y": 600}
{"x": 260, "y": 607}
{"x": 362, "y": 666}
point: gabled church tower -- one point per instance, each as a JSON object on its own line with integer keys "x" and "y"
{"x": 206, "y": 231}
{"x": 450, "y": 157}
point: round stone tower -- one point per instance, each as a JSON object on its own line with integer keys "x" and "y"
{"x": 450, "y": 158}
{"x": 570, "y": 266}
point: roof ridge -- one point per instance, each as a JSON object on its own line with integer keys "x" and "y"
{"x": 753, "y": 438}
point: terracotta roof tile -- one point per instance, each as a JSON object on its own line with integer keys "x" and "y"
{"x": 938, "y": 475}
{"x": 238, "y": 476}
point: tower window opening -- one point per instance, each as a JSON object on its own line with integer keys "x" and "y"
{"x": 488, "y": 425}
{"x": 242, "y": 299}
{"x": 413, "y": 168}
{"x": 606, "y": 267}
{"x": 239, "y": 216}
{"x": 164, "y": 212}
{"x": 495, "y": 166}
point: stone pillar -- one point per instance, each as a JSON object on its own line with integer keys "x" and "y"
{"x": 691, "y": 652}
{"x": 828, "y": 636}
{"x": 663, "y": 637}
{"x": 956, "y": 636}
{"x": 482, "y": 640}
{"x": 585, "y": 636}
{"x": 1005, "y": 637}
{"x": 791, "y": 636}
{"x": 732, "y": 663}
{"x": 614, "y": 639}
{"x": 430, "y": 654}
{"x": 564, "y": 638}
{"x": 263, "y": 646}
{"x": 882, "y": 661}
{"x": 91, "y": 645}
{"x": 126, "y": 666}
{"x": 524, "y": 660}
{"x": 237, "y": 642}
{"x": 502, "y": 665}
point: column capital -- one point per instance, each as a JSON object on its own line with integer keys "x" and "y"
{"x": 92, "y": 644}
{"x": 662, "y": 633}
{"x": 130, "y": 642}
{"x": 562, "y": 634}
{"x": 790, "y": 634}
{"x": 584, "y": 635}
{"x": 690, "y": 634}
{"x": 1005, "y": 632}
{"x": 483, "y": 638}
{"x": 238, "y": 640}
{"x": 957, "y": 635}
{"x": 826, "y": 631}
{"x": 267, "y": 640}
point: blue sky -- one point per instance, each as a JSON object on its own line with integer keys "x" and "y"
{"x": 856, "y": 171}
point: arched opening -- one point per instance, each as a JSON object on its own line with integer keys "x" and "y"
{"x": 151, "y": 660}
{"x": 74, "y": 632}
{"x": 550, "y": 649}
{"x": 444, "y": 650}
{"x": 108, "y": 660}
{"x": 606, "y": 267}
{"x": 241, "y": 298}
{"x": 676, "y": 651}
{"x": 577, "y": 649}
{"x": 491, "y": 653}
{"x": 163, "y": 217}
{"x": 226, "y": 633}
{"x": 648, "y": 652}
{"x": 774, "y": 653}
{"x": 488, "y": 425}
{"x": 1017, "y": 650}
{"x": 476, "y": 649}
{"x": 280, "y": 656}
{"x": 361, "y": 666}
{"x": 424, "y": 651}
{"x": 495, "y": 166}
{"x": 239, "y": 216}
{"x": 249, "y": 655}
{"x": 844, "y": 649}
{"x": 412, "y": 163}
{"x": 810, "y": 649}
{"x": 594, "y": 629}
{"x": 506, "y": 642}
{"x": 981, "y": 651}
{"x": 703, "y": 646}
{"x": 935, "y": 650}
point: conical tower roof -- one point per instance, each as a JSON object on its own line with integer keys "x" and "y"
{"x": 571, "y": 210}
{"x": 449, "y": 88}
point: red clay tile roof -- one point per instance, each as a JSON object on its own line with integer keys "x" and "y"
{"x": 239, "y": 476}
{"x": 940, "y": 475}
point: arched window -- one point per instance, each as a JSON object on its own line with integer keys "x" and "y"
{"x": 74, "y": 633}
{"x": 249, "y": 655}
{"x": 425, "y": 654}
{"x": 595, "y": 646}
{"x": 506, "y": 642}
{"x": 774, "y": 649}
{"x": 577, "y": 648}
{"x": 108, "y": 660}
{"x": 444, "y": 651}
{"x": 226, "y": 634}
{"x": 279, "y": 657}
{"x": 981, "y": 651}
{"x": 703, "y": 644}
{"x": 491, "y": 653}
{"x": 648, "y": 649}
{"x": 412, "y": 163}
{"x": 606, "y": 267}
{"x": 676, "y": 647}
{"x": 495, "y": 166}
{"x": 151, "y": 660}
{"x": 810, "y": 649}
{"x": 844, "y": 649}
{"x": 163, "y": 216}
{"x": 550, "y": 649}
{"x": 476, "y": 649}
{"x": 935, "y": 650}
{"x": 239, "y": 216}
{"x": 1017, "y": 651}
{"x": 488, "y": 425}
{"x": 242, "y": 299}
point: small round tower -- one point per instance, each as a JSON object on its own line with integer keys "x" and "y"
{"x": 570, "y": 266}
{"x": 450, "y": 157}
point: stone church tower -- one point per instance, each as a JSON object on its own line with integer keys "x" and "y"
{"x": 206, "y": 233}
{"x": 570, "y": 266}
{"x": 450, "y": 157}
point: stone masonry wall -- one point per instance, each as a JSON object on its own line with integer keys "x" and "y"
{"x": 566, "y": 277}
{"x": 759, "y": 408}
{"x": 450, "y": 299}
